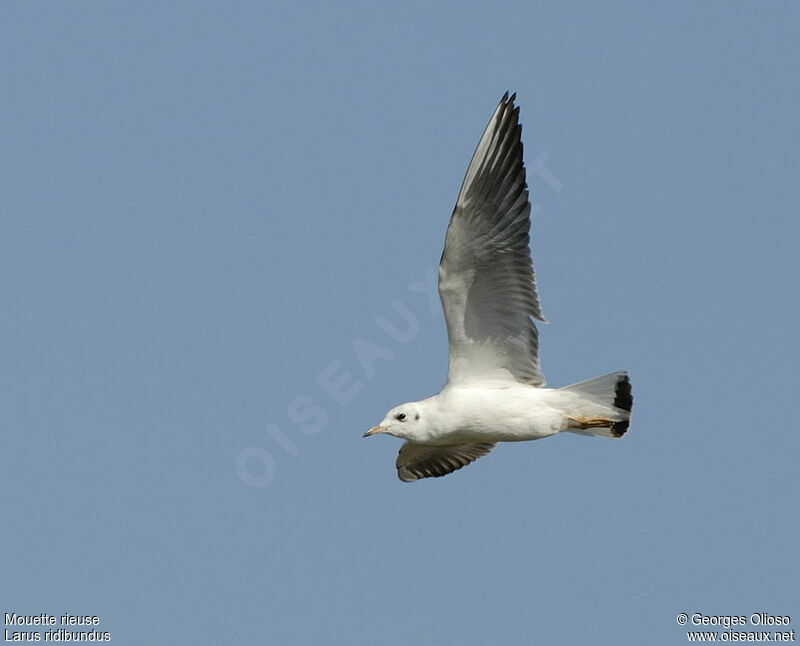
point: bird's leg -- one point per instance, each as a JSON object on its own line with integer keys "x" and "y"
{"x": 583, "y": 423}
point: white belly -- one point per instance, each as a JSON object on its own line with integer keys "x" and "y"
{"x": 506, "y": 414}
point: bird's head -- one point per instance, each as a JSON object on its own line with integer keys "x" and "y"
{"x": 407, "y": 421}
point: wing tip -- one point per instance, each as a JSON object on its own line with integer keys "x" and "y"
{"x": 508, "y": 113}
{"x": 508, "y": 99}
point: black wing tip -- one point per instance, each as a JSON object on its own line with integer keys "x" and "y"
{"x": 508, "y": 99}
{"x": 510, "y": 113}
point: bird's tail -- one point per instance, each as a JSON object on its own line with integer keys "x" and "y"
{"x": 603, "y": 406}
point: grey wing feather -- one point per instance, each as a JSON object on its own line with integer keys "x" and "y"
{"x": 416, "y": 461}
{"x": 486, "y": 277}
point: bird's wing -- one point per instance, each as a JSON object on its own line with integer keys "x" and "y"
{"x": 486, "y": 279}
{"x": 416, "y": 461}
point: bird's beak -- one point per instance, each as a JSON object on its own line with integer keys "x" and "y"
{"x": 375, "y": 430}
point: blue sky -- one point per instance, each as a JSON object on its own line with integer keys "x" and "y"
{"x": 208, "y": 211}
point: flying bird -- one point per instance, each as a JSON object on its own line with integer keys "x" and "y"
{"x": 495, "y": 387}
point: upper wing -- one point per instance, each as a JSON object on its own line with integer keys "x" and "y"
{"x": 416, "y": 461}
{"x": 486, "y": 279}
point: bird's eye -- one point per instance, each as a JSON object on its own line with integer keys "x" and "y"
{"x": 400, "y": 417}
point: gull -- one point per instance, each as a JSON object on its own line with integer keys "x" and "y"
{"x": 495, "y": 387}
